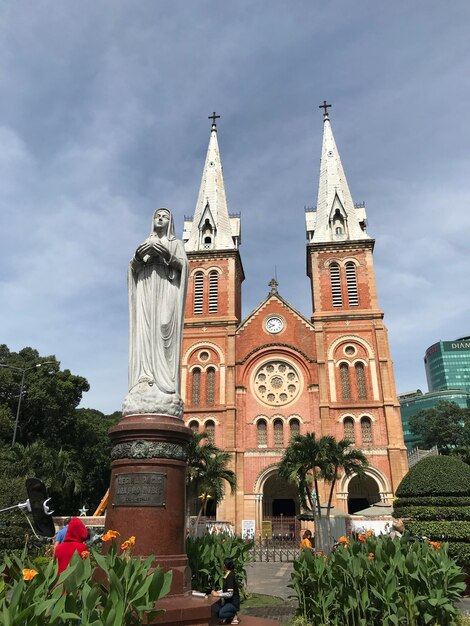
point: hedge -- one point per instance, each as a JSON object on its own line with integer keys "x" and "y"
{"x": 431, "y": 501}
{"x": 434, "y": 501}
{"x": 436, "y": 476}
{"x": 431, "y": 513}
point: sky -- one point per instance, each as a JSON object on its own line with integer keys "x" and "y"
{"x": 104, "y": 117}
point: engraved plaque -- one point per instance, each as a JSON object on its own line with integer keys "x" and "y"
{"x": 140, "y": 489}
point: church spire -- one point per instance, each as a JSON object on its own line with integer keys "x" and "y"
{"x": 212, "y": 228}
{"x": 336, "y": 218}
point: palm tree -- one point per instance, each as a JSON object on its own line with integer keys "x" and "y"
{"x": 308, "y": 460}
{"x": 302, "y": 464}
{"x": 207, "y": 472}
{"x": 341, "y": 458}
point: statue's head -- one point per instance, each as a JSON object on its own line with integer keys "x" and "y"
{"x": 163, "y": 219}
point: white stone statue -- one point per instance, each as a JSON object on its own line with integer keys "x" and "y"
{"x": 157, "y": 282}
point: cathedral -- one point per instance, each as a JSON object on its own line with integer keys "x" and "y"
{"x": 251, "y": 384}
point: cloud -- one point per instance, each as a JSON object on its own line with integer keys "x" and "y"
{"x": 103, "y": 118}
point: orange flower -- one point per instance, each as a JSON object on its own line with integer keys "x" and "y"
{"x": 370, "y": 533}
{"x": 130, "y": 543}
{"x": 344, "y": 541}
{"x": 84, "y": 554}
{"x": 361, "y": 537}
{"x": 29, "y": 574}
{"x": 111, "y": 534}
{"x": 371, "y": 556}
{"x": 435, "y": 544}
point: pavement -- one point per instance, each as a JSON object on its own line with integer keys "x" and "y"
{"x": 272, "y": 579}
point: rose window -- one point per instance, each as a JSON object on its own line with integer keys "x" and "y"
{"x": 277, "y": 383}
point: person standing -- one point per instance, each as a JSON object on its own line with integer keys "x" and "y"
{"x": 229, "y": 594}
{"x": 307, "y": 540}
{"x": 60, "y": 536}
{"x": 74, "y": 542}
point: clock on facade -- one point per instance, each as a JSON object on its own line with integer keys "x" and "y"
{"x": 274, "y": 325}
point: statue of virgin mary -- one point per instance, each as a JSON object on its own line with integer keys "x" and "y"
{"x": 157, "y": 281}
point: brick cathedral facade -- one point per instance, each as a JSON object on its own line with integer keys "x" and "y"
{"x": 253, "y": 383}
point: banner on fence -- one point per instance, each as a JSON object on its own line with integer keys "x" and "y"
{"x": 248, "y": 528}
{"x": 267, "y": 528}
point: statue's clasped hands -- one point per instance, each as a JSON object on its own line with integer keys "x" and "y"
{"x": 154, "y": 249}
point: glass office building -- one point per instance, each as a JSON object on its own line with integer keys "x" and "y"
{"x": 447, "y": 365}
{"x": 415, "y": 401}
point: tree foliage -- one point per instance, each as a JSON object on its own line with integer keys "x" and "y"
{"x": 67, "y": 448}
{"x": 446, "y": 425}
{"x": 207, "y": 472}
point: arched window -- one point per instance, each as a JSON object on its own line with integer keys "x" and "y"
{"x": 351, "y": 281}
{"x": 198, "y": 292}
{"x": 294, "y": 427}
{"x": 262, "y": 431}
{"x": 348, "y": 425}
{"x": 209, "y": 427}
{"x": 213, "y": 291}
{"x": 196, "y": 390}
{"x": 336, "y": 285}
{"x": 194, "y": 426}
{"x": 345, "y": 383}
{"x": 361, "y": 381}
{"x": 210, "y": 385}
{"x": 366, "y": 430}
{"x": 278, "y": 433}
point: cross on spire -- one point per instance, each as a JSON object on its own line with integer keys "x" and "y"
{"x": 325, "y": 108}
{"x": 213, "y": 117}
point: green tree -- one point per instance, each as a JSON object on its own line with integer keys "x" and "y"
{"x": 446, "y": 425}
{"x": 50, "y": 396}
{"x": 207, "y": 471}
{"x": 307, "y": 460}
{"x": 302, "y": 464}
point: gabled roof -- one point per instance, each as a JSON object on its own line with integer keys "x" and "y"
{"x": 273, "y": 295}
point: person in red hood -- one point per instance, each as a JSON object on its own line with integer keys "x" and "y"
{"x": 74, "y": 542}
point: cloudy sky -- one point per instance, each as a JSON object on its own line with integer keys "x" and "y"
{"x": 103, "y": 117}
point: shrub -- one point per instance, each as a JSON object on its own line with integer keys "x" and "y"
{"x": 434, "y": 500}
{"x": 436, "y": 476}
{"x": 206, "y": 556}
{"x": 123, "y": 593}
{"x": 380, "y": 581}
{"x": 14, "y": 527}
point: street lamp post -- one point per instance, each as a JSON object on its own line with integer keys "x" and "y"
{"x": 23, "y": 370}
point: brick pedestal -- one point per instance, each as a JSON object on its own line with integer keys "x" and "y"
{"x": 147, "y": 499}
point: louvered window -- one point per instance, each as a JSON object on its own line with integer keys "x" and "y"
{"x": 262, "y": 432}
{"x": 351, "y": 281}
{"x": 196, "y": 390}
{"x": 361, "y": 381}
{"x": 210, "y": 385}
{"x": 278, "y": 433}
{"x": 194, "y": 426}
{"x": 210, "y": 430}
{"x": 294, "y": 427}
{"x": 213, "y": 292}
{"x": 366, "y": 430}
{"x": 198, "y": 292}
{"x": 336, "y": 284}
{"x": 349, "y": 429}
{"x": 345, "y": 383}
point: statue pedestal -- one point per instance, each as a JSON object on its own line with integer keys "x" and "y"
{"x": 147, "y": 499}
{"x": 147, "y": 495}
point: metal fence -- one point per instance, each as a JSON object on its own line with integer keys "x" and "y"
{"x": 275, "y": 549}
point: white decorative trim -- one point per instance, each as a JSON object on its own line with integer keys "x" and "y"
{"x": 199, "y": 345}
{"x": 372, "y": 472}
